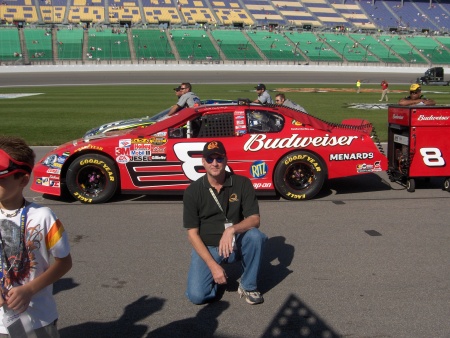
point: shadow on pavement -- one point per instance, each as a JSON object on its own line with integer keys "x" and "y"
{"x": 203, "y": 325}
{"x": 125, "y": 326}
{"x": 295, "y": 319}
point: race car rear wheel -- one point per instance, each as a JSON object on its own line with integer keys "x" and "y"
{"x": 299, "y": 175}
{"x": 92, "y": 178}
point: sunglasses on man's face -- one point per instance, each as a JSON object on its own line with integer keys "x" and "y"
{"x": 415, "y": 92}
{"x": 211, "y": 159}
{"x": 9, "y": 166}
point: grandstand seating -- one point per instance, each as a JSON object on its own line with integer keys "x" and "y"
{"x": 53, "y": 14}
{"x": 380, "y": 15}
{"x": 296, "y": 14}
{"x": 275, "y": 46}
{"x": 82, "y": 12}
{"x": 196, "y": 11}
{"x": 402, "y": 48}
{"x": 23, "y": 11}
{"x": 377, "y": 48}
{"x": 430, "y": 49}
{"x": 313, "y": 47}
{"x": 108, "y": 45}
{"x": 354, "y": 15}
{"x": 39, "y": 44}
{"x": 70, "y": 44}
{"x": 325, "y": 13}
{"x": 151, "y": 44}
{"x": 9, "y": 44}
{"x": 235, "y": 46}
{"x": 231, "y": 13}
{"x": 328, "y": 41}
{"x": 156, "y": 12}
{"x": 194, "y": 45}
{"x": 349, "y": 49}
{"x": 264, "y": 12}
{"x": 124, "y": 11}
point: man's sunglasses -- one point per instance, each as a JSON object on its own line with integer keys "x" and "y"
{"x": 9, "y": 166}
{"x": 415, "y": 92}
{"x": 211, "y": 160}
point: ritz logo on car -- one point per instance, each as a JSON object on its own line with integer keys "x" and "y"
{"x": 259, "y": 169}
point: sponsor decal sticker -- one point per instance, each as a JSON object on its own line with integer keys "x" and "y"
{"x": 351, "y": 156}
{"x": 122, "y": 159}
{"x": 158, "y": 141}
{"x": 88, "y": 146}
{"x": 125, "y": 143}
{"x": 259, "y": 169}
{"x": 54, "y": 171}
{"x": 368, "y": 168}
{"x": 159, "y": 157}
{"x": 140, "y": 140}
{"x": 158, "y": 149}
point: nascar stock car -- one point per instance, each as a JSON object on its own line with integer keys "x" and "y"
{"x": 281, "y": 150}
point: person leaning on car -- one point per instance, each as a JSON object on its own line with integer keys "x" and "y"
{"x": 415, "y": 97}
{"x": 281, "y": 100}
{"x": 178, "y": 91}
{"x": 221, "y": 215}
{"x": 187, "y": 99}
{"x": 263, "y": 95}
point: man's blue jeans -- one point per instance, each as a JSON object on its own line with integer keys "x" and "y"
{"x": 201, "y": 287}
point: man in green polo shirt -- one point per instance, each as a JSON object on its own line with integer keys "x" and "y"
{"x": 221, "y": 214}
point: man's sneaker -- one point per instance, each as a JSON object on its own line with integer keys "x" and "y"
{"x": 251, "y": 297}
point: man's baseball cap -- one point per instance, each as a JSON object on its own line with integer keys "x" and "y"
{"x": 260, "y": 86}
{"x": 415, "y": 87}
{"x": 177, "y": 89}
{"x": 214, "y": 147}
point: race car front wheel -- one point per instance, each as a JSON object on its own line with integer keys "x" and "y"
{"x": 92, "y": 178}
{"x": 299, "y": 175}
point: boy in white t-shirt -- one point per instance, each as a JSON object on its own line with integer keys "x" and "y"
{"x": 29, "y": 235}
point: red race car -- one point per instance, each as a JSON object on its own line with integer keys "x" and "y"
{"x": 283, "y": 151}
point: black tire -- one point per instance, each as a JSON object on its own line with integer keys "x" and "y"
{"x": 299, "y": 176}
{"x": 447, "y": 184}
{"x": 92, "y": 178}
{"x": 411, "y": 185}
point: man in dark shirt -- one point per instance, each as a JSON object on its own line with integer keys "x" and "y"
{"x": 221, "y": 214}
{"x": 416, "y": 98}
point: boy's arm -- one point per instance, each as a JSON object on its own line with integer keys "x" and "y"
{"x": 19, "y": 297}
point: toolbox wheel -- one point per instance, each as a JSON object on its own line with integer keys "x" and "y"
{"x": 411, "y": 185}
{"x": 447, "y": 184}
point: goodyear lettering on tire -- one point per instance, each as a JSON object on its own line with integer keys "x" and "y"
{"x": 296, "y": 196}
{"x": 302, "y": 157}
{"x": 100, "y": 163}
{"x": 82, "y": 198}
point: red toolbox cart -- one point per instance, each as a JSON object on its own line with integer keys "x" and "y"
{"x": 418, "y": 144}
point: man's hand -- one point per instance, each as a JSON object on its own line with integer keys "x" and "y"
{"x": 219, "y": 275}
{"x": 226, "y": 242}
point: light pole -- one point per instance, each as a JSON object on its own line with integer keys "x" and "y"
{"x": 343, "y": 51}
{"x": 432, "y": 55}
{"x": 220, "y": 48}
{"x": 295, "y": 51}
{"x": 320, "y": 50}
{"x": 165, "y": 56}
{"x": 270, "y": 55}
{"x": 365, "y": 57}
